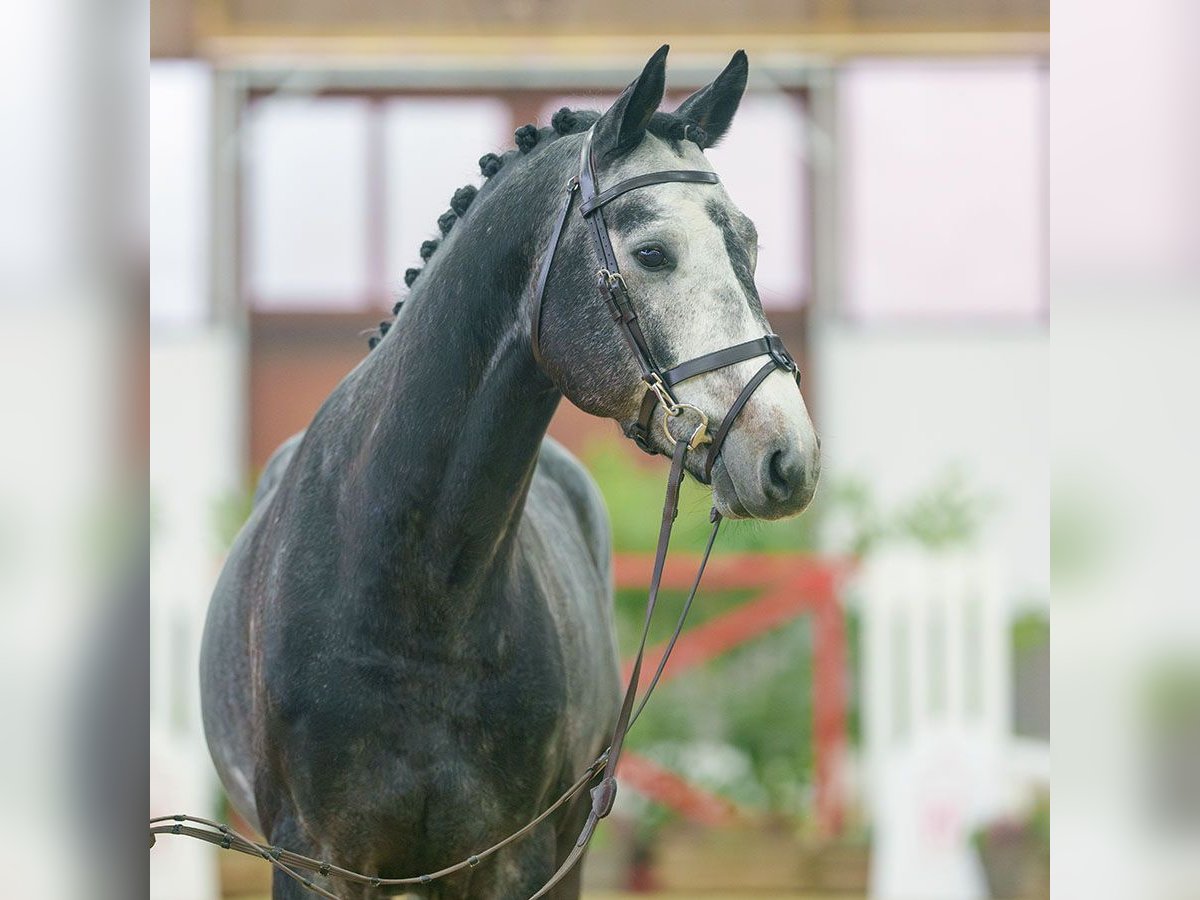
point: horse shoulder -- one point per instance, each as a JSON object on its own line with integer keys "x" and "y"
{"x": 584, "y": 501}
{"x": 276, "y": 466}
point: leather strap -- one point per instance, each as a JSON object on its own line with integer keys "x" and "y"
{"x": 288, "y": 862}
{"x": 769, "y": 345}
{"x": 639, "y": 431}
{"x": 605, "y": 793}
{"x": 693, "y": 176}
{"x": 670, "y": 511}
{"x": 715, "y": 518}
{"x": 719, "y": 359}
{"x": 609, "y": 279}
{"x": 714, "y": 448}
{"x": 535, "y": 329}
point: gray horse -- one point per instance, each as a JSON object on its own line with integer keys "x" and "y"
{"x": 410, "y": 652}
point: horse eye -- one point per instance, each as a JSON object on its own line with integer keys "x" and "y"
{"x": 652, "y": 257}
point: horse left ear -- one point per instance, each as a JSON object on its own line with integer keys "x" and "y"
{"x": 623, "y": 126}
{"x": 713, "y": 106}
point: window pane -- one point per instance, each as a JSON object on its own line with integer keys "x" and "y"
{"x": 432, "y": 149}
{"x": 942, "y": 189}
{"x": 306, "y": 202}
{"x": 179, "y": 191}
{"x": 761, "y": 160}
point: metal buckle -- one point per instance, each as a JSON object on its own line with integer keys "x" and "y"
{"x": 656, "y": 384}
{"x": 699, "y": 437}
{"x": 611, "y": 280}
{"x": 780, "y": 354}
{"x": 671, "y": 409}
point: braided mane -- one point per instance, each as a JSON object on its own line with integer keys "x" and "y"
{"x": 566, "y": 121}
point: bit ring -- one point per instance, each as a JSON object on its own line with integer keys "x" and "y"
{"x": 699, "y": 437}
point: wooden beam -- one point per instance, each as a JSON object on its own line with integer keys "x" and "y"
{"x": 675, "y": 792}
{"x": 738, "y": 570}
{"x": 539, "y": 52}
{"x": 781, "y": 604}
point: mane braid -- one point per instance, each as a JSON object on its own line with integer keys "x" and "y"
{"x": 667, "y": 126}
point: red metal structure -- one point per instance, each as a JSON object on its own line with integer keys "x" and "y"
{"x": 788, "y": 587}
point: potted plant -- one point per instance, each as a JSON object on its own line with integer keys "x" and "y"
{"x": 1015, "y": 853}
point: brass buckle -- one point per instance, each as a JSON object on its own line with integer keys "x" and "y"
{"x": 671, "y": 409}
{"x": 699, "y": 437}
{"x": 655, "y": 384}
{"x": 612, "y": 279}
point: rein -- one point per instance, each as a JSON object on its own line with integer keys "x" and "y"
{"x": 658, "y": 391}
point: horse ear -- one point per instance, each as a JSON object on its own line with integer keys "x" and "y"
{"x": 712, "y": 107}
{"x": 623, "y": 126}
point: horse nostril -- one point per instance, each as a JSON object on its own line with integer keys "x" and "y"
{"x": 783, "y": 469}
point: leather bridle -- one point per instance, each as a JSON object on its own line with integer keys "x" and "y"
{"x": 659, "y": 390}
{"x": 659, "y": 382}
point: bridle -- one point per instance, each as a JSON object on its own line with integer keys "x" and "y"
{"x": 658, "y": 391}
{"x": 659, "y": 382}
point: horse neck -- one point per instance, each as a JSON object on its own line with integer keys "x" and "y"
{"x": 458, "y": 405}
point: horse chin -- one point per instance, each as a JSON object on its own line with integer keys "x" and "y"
{"x": 725, "y": 495}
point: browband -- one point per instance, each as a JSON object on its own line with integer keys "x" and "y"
{"x": 695, "y": 176}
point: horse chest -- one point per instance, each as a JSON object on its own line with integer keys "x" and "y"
{"x": 427, "y": 736}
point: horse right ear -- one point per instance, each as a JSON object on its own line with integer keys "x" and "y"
{"x": 623, "y": 126}
{"x": 712, "y": 107}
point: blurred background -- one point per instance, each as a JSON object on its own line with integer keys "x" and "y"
{"x": 860, "y": 706}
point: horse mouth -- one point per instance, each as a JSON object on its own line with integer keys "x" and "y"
{"x": 725, "y": 494}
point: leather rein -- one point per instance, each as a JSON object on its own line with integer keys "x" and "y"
{"x": 659, "y": 390}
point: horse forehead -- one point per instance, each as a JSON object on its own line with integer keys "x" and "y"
{"x": 673, "y": 200}
{"x": 654, "y": 154}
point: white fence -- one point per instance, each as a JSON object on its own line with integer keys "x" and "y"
{"x": 937, "y": 718}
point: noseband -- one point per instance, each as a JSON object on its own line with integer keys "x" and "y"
{"x": 659, "y": 382}
{"x": 659, "y": 390}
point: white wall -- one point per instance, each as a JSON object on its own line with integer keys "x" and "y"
{"x": 197, "y": 435}
{"x": 928, "y": 328}
{"x": 899, "y": 404}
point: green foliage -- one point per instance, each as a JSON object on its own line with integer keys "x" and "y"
{"x": 854, "y": 700}
{"x": 741, "y": 725}
{"x": 1030, "y": 631}
{"x": 946, "y": 514}
{"x": 1039, "y": 822}
{"x": 631, "y": 489}
{"x": 853, "y": 501}
{"x": 1171, "y": 694}
{"x": 230, "y": 512}
{"x": 1083, "y": 533}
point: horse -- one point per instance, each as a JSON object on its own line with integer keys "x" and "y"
{"x": 410, "y": 650}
